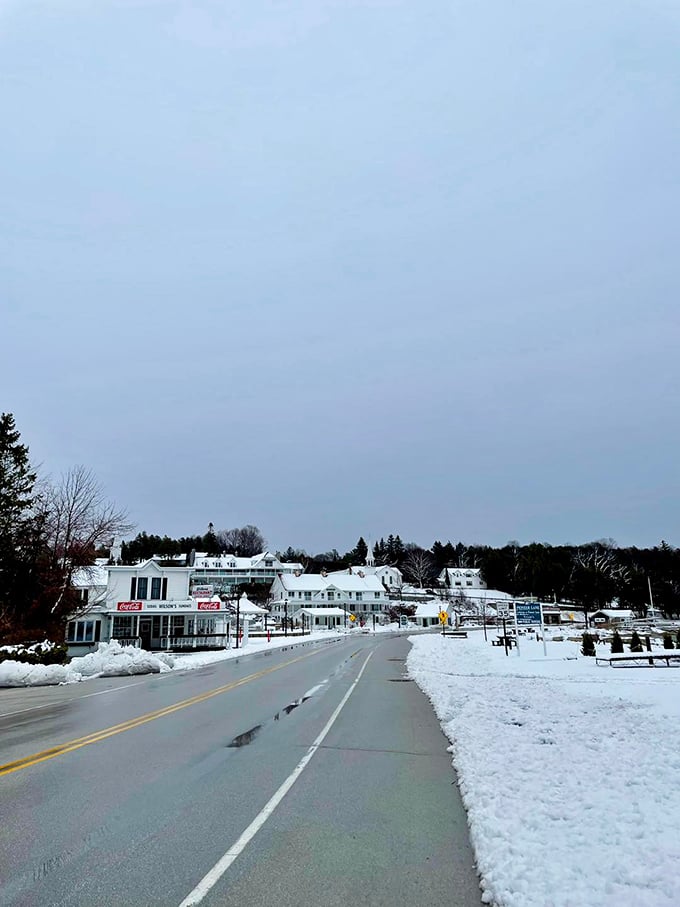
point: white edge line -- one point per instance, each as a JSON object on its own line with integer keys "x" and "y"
{"x": 211, "y": 878}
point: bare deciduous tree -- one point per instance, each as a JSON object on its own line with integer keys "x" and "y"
{"x": 597, "y": 576}
{"x": 419, "y": 566}
{"x": 78, "y": 519}
{"x": 246, "y": 541}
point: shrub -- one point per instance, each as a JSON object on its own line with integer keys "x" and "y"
{"x": 38, "y": 654}
{"x": 617, "y": 643}
{"x": 588, "y": 647}
{"x": 635, "y": 642}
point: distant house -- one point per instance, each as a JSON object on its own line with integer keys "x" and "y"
{"x": 390, "y": 577}
{"x": 221, "y": 573}
{"x": 427, "y": 613}
{"x": 607, "y": 619}
{"x": 362, "y": 596}
{"x": 461, "y": 578}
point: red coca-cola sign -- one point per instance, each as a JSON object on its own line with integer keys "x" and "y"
{"x": 208, "y": 606}
{"x": 129, "y": 606}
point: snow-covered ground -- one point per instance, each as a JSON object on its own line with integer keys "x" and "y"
{"x": 114, "y": 660}
{"x": 569, "y": 771}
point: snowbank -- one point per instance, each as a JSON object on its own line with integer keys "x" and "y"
{"x": 568, "y": 771}
{"x": 110, "y": 660}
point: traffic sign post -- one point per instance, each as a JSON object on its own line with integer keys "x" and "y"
{"x": 443, "y": 618}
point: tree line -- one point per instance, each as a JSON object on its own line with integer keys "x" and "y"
{"x": 50, "y": 529}
{"x": 590, "y": 576}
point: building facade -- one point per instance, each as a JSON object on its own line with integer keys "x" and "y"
{"x": 362, "y": 596}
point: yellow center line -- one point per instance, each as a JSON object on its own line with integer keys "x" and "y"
{"x": 68, "y": 747}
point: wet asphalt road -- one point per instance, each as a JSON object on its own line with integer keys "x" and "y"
{"x": 140, "y": 815}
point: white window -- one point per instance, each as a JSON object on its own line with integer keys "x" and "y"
{"x": 83, "y": 631}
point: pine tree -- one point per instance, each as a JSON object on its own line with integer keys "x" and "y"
{"x": 17, "y": 480}
{"x": 360, "y": 551}
{"x": 588, "y": 646}
{"x": 617, "y": 643}
{"x": 635, "y": 642}
{"x": 20, "y": 534}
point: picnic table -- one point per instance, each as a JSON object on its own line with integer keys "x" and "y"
{"x": 507, "y": 641}
{"x": 641, "y": 659}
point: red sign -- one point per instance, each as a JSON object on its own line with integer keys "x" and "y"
{"x": 208, "y": 606}
{"x": 130, "y": 606}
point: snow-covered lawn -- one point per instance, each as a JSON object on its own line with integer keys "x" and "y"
{"x": 569, "y": 771}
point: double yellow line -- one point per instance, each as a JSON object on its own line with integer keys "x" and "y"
{"x": 63, "y": 748}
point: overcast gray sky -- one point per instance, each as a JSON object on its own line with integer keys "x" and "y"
{"x": 342, "y": 267}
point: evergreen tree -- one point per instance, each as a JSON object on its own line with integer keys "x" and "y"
{"x": 360, "y": 551}
{"x": 21, "y": 533}
{"x": 588, "y": 646}
{"x": 617, "y": 643}
{"x": 211, "y": 545}
{"x": 635, "y": 642}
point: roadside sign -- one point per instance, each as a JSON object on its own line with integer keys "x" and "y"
{"x": 443, "y": 617}
{"x": 504, "y": 612}
{"x": 352, "y": 617}
{"x": 528, "y": 614}
{"x": 403, "y": 621}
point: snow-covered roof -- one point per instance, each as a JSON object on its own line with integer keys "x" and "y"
{"x": 87, "y": 577}
{"x": 324, "y": 612}
{"x": 368, "y": 570}
{"x": 315, "y": 582}
{"x": 148, "y": 564}
{"x": 249, "y": 607}
{"x": 483, "y": 595}
{"x": 429, "y": 609}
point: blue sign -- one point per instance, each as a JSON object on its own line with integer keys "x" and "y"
{"x": 528, "y": 614}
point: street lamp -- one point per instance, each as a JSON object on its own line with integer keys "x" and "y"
{"x": 285, "y": 617}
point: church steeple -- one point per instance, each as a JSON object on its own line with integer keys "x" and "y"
{"x": 370, "y": 560}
